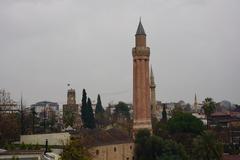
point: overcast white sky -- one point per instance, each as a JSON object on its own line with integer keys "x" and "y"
{"x": 45, "y": 44}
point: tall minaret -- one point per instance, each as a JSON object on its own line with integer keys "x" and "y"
{"x": 195, "y": 103}
{"x": 153, "y": 95}
{"x": 141, "y": 89}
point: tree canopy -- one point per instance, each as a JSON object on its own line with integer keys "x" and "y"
{"x": 122, "y": 110}
{"x": 9, "y": 127}
{"x": 75, "y": 151}
{"x": 153, "y": 148}
{"x": 87, "y": 112}
{"x": 185, "y": 123}
{"x": 99, "y": 108}
{"x": 90, "y": 116}
{"x": 84, "y": 108}
{"x": 164, "y": 114}
{"x": 209, "y": 106}
{"x": 206, "y": 147}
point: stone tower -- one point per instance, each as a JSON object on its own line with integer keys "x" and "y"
{"x": 71, "y": 97}
{"x": 71, "y": 116}
{"x": 153, "y": 96}
{"x": 141, "y": 89}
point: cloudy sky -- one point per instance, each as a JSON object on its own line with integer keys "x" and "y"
{"x": 46, "y": 44}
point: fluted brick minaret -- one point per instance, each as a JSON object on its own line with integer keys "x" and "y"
{"x": 141, "y": 89}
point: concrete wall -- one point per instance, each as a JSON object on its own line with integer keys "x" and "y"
{"x": 124, "y": 151}
{"x": 53, "y": 138}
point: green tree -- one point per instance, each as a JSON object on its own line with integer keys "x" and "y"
{"x": 90, "y": 116}
{"x": 164, "y": 114}
{"x": 122, "y": 110}
{"x": 209, "y": 107}
{"x": 183, "y": 128}
{"x": 87, "y": 112}
{"x": 177, "y": 109}
{"x": 9, "y": 127}
{"x": 75, "y": 151}
{"x": 206, "y": 147}
{"x": 185, "y": 123}
{"x": 99, "y": 107}
{"x": 84, "y": 108}
{"x": 100, "y": 115}
{"x": 149, "y": 147}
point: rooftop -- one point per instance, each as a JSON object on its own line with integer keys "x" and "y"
{"x": 97, "y": 137}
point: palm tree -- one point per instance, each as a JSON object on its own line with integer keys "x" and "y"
{"x": 206, "y": 147}
{"x": 209, "y": 107}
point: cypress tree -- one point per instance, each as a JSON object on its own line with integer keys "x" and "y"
{"x": 84, "y": 108}
{"x": 100, "y": 113}
{"x": 164, "y": 114}
{"x": 99, "y": 107}
{"x": 90, "y": 116}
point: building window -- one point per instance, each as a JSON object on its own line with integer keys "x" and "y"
{"x": 127, "y": 158}
{"x": 115, "y": 149}
{"x": 132, "y": 158}
{"x": 130, "y": 147}
{"x": 97, "y": 152}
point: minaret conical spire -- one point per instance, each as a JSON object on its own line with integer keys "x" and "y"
{"x": 140, "y": 29}
{"x": 195, "y": 99}
{"x": 152, "y": 81}
{"x": 195, "y": 105}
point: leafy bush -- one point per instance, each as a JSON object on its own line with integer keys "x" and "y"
{"x": 23, "y": 146}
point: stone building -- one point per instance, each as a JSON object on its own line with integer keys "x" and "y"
{"x": 71, "y": 114}
{"x": 141, "y": 89}
{"x": 45, "y": 106}
{"x": 112, "y": 144}
{"x": 117, "y": 151}
{"x": 226, "y": 125}
{"x": 47, "y": 113}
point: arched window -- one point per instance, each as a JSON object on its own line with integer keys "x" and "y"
{"x": 97, "y": 152}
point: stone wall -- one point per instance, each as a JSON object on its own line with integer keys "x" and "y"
{"x": 53, "y": 138}
{"x": 123, "y": 151}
